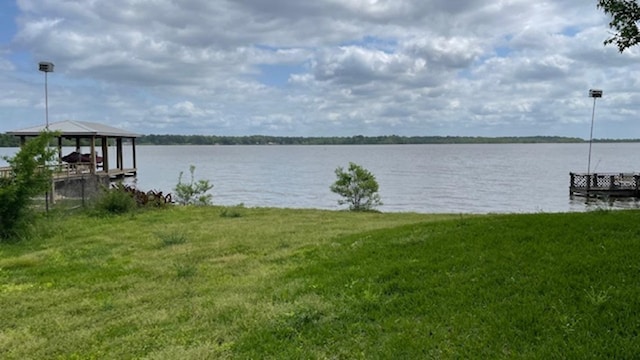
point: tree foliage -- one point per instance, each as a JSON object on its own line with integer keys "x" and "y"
{"x": 348, "y": 140}
{"x": 358, "y": 187}
{"x": 30, "y": 176}
{"x": 193, "y": 192}
{"x": 625, "y": 15}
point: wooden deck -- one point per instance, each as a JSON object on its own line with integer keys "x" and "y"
{"x": 122, "y": 173}
{"x": 605, "y": 185}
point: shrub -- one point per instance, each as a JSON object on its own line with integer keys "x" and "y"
{"x": 30, "y": 177}
{"x": 358, "y": 187}
{"x": 150, "y": 198}
{"x": 194, "y": 192}
{"x": 116, "y": 201}
{"x": 122, "y": 198}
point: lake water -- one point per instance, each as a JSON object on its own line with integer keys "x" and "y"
{"x": 452, "y": 178}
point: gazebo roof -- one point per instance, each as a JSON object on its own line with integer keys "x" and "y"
{"x": 76, "y": 128}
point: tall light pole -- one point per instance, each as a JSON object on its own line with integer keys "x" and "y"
{"x": 594, "y": 94}
{"x": 46, "y": 67}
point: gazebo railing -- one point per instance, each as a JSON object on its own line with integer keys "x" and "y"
{"x": 61, "y": 170}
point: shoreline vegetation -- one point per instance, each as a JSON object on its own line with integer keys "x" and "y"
{"x": 7, "y": 140}
{"x": 214, "y": 282}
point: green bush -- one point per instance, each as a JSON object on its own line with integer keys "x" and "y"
{"x": 30, "y": 177}
{"x": 194, "y": 192}
{"x": 358, "y": 187}
{"x": 121, "y": 198}
{"x": 115, "y": 201}
{"x": 152, "y": 198}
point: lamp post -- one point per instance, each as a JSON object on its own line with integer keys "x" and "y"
{"x": 46, "y": 67}
{"x": 594, "y": 94}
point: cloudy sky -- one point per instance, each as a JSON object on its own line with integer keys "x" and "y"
{"x": 318, "y": 68}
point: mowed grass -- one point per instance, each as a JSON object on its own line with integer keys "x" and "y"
{"x": 197, "y": 283}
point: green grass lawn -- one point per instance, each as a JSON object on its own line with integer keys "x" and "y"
{"x": 188, "y": 283}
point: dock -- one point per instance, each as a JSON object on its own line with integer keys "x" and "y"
{"x": 77, "y": 180}
{"x": 605, "y": 185}
{"x": 80, "y": 173}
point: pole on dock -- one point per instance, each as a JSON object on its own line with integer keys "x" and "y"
{"x": 594, "y": 94}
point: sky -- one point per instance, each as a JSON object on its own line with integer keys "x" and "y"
{"x": 318, "y": 68}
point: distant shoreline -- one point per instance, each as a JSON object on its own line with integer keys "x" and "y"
{"x": 355, "y": 140}
{"x": 12, "y": 141}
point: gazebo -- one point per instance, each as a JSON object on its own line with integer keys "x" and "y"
{"x": 98, "y": 136}
{"x": 78, "y": 174}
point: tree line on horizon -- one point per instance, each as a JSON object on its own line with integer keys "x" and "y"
{"x": 341, "y": 140}
{"x": 7, "y": 140}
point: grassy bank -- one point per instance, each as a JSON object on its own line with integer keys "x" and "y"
{"x": 188, "y": 283}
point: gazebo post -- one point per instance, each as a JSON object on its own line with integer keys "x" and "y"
{"x": 119, "y": 162}
{"x": 135, "y": 163}
{"x": 92, "y": 156}
{"x": 105, "y": 154}
{"x": 59, "y": 149}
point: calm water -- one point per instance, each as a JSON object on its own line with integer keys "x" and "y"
{"x": 480, "y": 178}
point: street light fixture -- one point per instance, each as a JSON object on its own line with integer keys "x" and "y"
{"x": 46, "y": 67}
{"x": 594, "y": 93}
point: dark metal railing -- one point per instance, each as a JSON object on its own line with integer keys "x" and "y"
{"x": 605, "y": 182}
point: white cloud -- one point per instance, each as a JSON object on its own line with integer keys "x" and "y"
{"x": 325, "y": 67}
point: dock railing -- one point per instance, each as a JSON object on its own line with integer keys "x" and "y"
{"x": 63, "y": 171}
{"x": 60, "y": 171}
{"x": 605, "y": 184}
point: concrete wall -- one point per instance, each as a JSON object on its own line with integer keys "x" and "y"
{"x": 87, "y": 186}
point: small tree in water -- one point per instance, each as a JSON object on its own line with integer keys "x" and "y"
{"x": 194, "y": 192}
{"x": 358, "y": 187}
